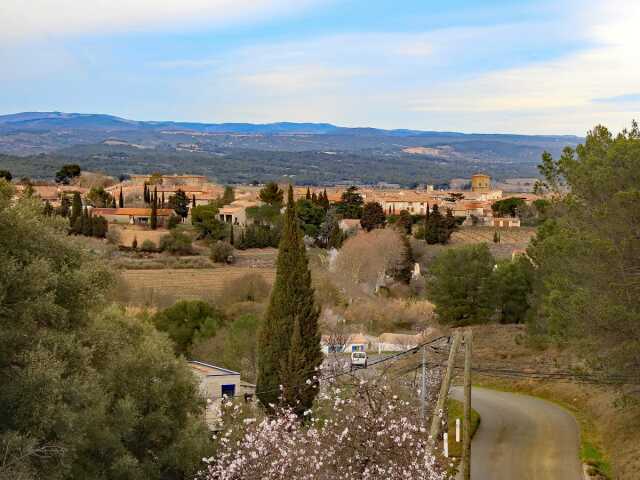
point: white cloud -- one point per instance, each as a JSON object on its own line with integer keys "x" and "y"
{"x": 557, "y": 92}
{"x": 20, "y": 19}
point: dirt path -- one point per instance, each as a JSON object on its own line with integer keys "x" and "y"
{"x": 522, "y": 437}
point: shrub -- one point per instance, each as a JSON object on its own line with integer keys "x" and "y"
{"x": 221, "y": 251}
{"x": 173, "y": 222}
{"x": 176, "y": 243}
{"x": 147, "y": 246}
{"x": 113, "y": 236}
{"x": 251, "y": 287}
{"x": 187, "y": 321}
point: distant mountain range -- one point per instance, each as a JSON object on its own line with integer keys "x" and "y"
{"x": 308, "y": 152}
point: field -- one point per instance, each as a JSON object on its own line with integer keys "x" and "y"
{"x": 161, "y": 287}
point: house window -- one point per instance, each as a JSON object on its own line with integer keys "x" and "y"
{"x": 357, "y": 348}
{"x": 229, "y": 390}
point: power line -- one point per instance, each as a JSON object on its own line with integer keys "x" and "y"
{"x": 346, "y": 372}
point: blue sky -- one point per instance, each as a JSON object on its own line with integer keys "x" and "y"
{"x": 490, "y": 66}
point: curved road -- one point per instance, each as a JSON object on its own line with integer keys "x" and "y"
{"x": 522, "y": 438}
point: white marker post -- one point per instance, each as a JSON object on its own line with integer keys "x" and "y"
{"x": 457, "y": 430}
{"x": 445, "y": 439}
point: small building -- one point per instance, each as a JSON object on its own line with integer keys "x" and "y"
{"x": 350, "y": 225}
{"x": 133, "y": 216}
{"x": 236, "y": 212}
{"x": 480, "y": 182}
{"x": 216, "y": 384}
{"x": 506, "y": 222}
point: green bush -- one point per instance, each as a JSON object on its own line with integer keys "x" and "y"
{"x": 148, "y": 246}
{"x": 187, "y": 321}
{"x": 173, "y": 222}
{"x": 176, "y": 243}
{"x": 221, "y": 251}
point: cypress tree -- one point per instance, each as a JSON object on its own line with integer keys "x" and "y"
{"x": 121, "y": 199}
{"x": 76, "y": 211}
{"x": 193, "y": 200}
{"x": 231, "y": 239}
{"x": 308, "y": 195}
{"x": 289, "y": 341}
{"x": 145, "y": 194}
{"x": 87, "y": 225}
{"x": 163, "y": 204}
{"x": 154, "y": 210}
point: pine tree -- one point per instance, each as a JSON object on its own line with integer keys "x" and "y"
{"x": 154, "y": 210}
{"x": 289, "y": 341}
{"x": 121, "y": 199}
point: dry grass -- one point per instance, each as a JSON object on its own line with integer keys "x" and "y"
{"x": 380, "y": 315}
{"x": 161, "y": 288}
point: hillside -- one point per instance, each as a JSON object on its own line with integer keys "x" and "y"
{"x": 35, "y": 144}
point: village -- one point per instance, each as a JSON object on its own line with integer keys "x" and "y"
{"x": 141, "y": 212}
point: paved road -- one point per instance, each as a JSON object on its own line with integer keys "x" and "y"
{"x": 522, "y": 438}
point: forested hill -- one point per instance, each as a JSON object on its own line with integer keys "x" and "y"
{"x": 35, "y": 144}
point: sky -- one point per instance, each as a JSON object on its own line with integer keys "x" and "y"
{"x": 535, "y": 67}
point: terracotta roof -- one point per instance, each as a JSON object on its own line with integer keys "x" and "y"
{"x": 139, "y": 212}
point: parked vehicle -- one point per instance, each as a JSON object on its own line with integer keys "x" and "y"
{"x": 358, "y": 360}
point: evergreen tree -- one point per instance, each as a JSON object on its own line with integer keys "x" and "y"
{"x": 405, "y": 222}
{"x": 47, "y": 209}
{"x": 76, "y": 211}
{"x": 350, "y": 205}
{"x": 228, "y": 196}
{"x": 180, "y": 203}
{"x": 496, "y": 237}
{"x": 193, "y": 200}
{"x": 113, "y": 202}
{"x": 121, "y": 199}
{"x": 289, "y": 341}
{"x": 65, "y": 207}
{"x": 405, "y": 269}
{"x": 372, "y": 216}
{"x": 145, "y": 194}
{"x": 314, "y": 198}
{"x": 163, "y": 202}
{"x": 271, "y": 194}
{"x": 154, "y": 210}
{"x": 325, "y": 200}
{"x": 87, "y": 226}
{"x": 231, "y": 239}
{"x": 308, "y": 195}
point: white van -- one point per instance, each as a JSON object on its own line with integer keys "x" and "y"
{"x": 358, "y": 360}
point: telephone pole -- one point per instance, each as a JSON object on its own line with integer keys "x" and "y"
{"x": 466, "y": 427}
{"x": 444, "y": 389}
{"x": 423, "y": 386}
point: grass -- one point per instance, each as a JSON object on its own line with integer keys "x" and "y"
{"x": 455, "y": 410}
{"x": 591, "y": 450}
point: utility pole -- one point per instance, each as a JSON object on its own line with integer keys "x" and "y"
{"x": 466, "y": 428}
{"x": 423, "y": 386}
{"x": 444, "y": 389}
